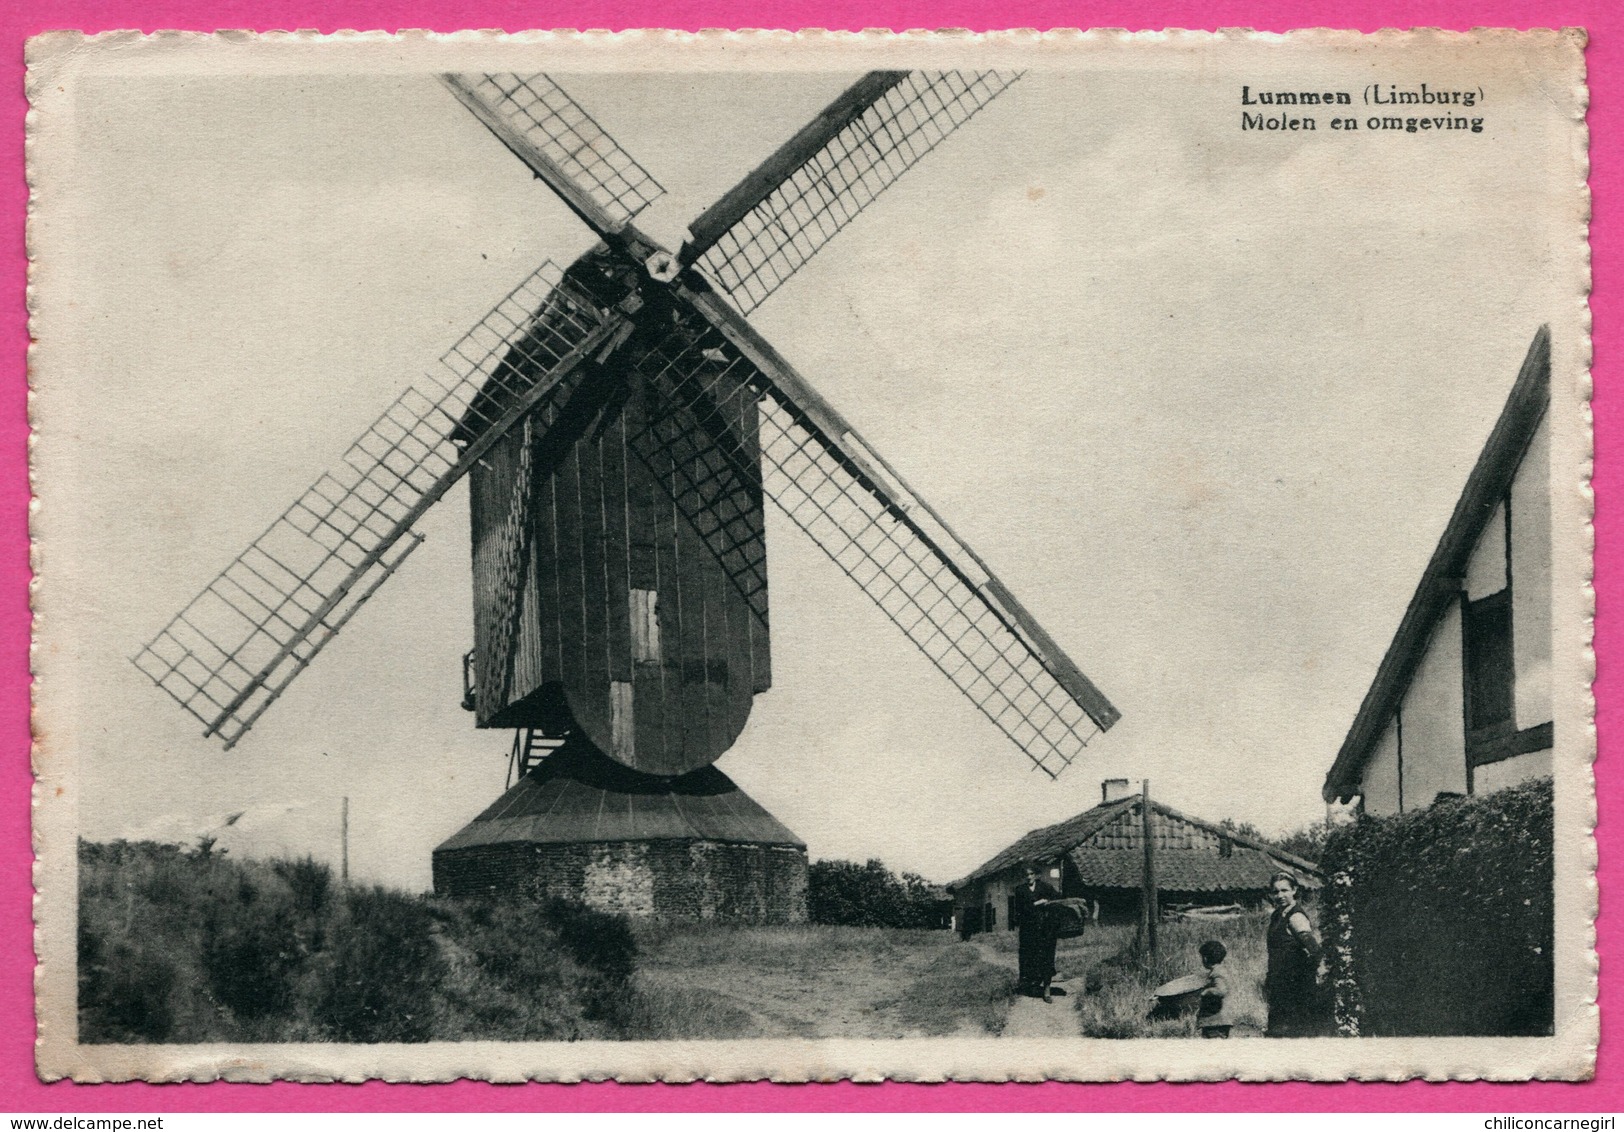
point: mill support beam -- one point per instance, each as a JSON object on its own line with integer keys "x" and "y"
{"x": 767, "y": 176}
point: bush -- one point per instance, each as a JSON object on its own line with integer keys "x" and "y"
{"x": 310, "y": 882}
{"x": 125, "y": 992}
{"x": 250, "y": 948}
{"x": 598, "y": 940}
{"x": 193, "y": 946}
{"x": 603, "y": 943}
{"x": 1440, "y": 921}
{"x": 869, "y": 896}
{"x": 383, "y": 969}
{"x": 508, "y": 978}
{"x": 1307, "y": 842}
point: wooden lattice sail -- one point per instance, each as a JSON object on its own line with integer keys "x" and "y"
{"x": 623, "y": 425}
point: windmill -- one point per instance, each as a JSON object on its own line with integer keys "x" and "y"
{"x": 621, "y": 425}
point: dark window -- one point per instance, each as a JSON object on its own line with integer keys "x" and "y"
{"x": 990, "y": 914}
{"x": 1489, "y": 668}
{"x": 1226, "y": 847}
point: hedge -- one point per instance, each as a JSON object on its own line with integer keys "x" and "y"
{"x": 1439, "y": 921}
{"x": 871, "y": 895}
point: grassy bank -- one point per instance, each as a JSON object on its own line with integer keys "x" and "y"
{"x": 179, "y": 946}
{"x": 1118, "y": 1008}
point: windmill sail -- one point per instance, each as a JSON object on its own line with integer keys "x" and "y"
{"x": 898, "y": 550}
{"x": 722, "y": 422}
{"x": 562, "y": 144}
{"x": 238, "y": 644}
{"x": 763, "y": 231}
{"x": 863, "y": 516}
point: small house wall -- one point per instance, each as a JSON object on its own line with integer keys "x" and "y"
{"x": 1531, "y": 591}
{"x": 1124, "y": 834}
{"x": 1509, "y": 772}
{"x": 1381, "y": 783}
{"x": 1433, "y": 718}
{"x": 1423, "y": 751}
{"x": 997, "y": 892}
{"x": 970, "y": 903}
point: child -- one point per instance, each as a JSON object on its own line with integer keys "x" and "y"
{"x": 1210, "y": 1016}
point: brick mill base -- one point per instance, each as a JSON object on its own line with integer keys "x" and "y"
{"x": 582, "y": 827}
{"x": 667, "y": 880}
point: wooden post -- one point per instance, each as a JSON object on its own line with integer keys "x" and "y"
{"x": 1149, "y": 913}
{"x": 344, "y": 842}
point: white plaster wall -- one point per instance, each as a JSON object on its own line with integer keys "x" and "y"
{"x": 1434, "y": 724}
{"x": 1531, "y": 581}
{"x": 1486, "y": 569}
{"x": 1380, "y": 785}
{"x": 1508, "y": 772}
{"x": 998, "y": 896}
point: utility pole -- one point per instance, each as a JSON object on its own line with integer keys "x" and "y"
{"x": 344, "y": 842}
{"x": 1149, "y": 913}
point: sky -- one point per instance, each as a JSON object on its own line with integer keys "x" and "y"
{"x": 1204, "y": 399}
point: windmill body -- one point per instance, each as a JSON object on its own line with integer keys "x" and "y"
{"x": 621, "y": 425}
{"x": 622, "y": 625}
{"x": 608, "y": 630}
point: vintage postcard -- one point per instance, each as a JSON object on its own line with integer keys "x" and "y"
{"x": 770, "y": 556}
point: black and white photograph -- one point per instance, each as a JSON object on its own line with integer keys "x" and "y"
{"x": 798, "y": 557}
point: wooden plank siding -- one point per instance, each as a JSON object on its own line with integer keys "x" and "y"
{"x": 643, "y": 498}
{"x": 617, "y": 545}
{"x": 604, "y": 523}
{"x": 597, "y": 600}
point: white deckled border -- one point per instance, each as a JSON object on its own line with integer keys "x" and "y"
{"x": 57, "y": 59}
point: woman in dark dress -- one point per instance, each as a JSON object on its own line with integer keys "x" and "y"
{"x": 1037, "y": 941}
{"x": 1292, "y": 984}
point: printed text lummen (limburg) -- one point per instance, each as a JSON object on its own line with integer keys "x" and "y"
{"x": 1439, "y": 113}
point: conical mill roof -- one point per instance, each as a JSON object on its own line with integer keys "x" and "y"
{"x": 578, "y": 795}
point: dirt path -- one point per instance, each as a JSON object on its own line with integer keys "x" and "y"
{"x": 837, "y": 1001}
{"x": 1032, "y": 1017}
{"x": 785, "y": 984}
{"x": 812, "y": 981}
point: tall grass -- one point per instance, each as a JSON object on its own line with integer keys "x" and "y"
{"x": 1120, "y": 1005}
{"x": 179, "y": 946}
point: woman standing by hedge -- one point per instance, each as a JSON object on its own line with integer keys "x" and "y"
{"x": 1292, "y": 984}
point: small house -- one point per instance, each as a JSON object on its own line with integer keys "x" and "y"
{"x": 1099, "y": 855}
{"x": 1461, "y": 702}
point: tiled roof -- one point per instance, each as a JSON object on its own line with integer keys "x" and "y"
{"x": 1239, "y": 870}
{"x": 1052, "y": 840}
{"x": 1179, "y": 870}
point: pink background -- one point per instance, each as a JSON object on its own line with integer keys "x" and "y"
{"x": 21, "y": 1091}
